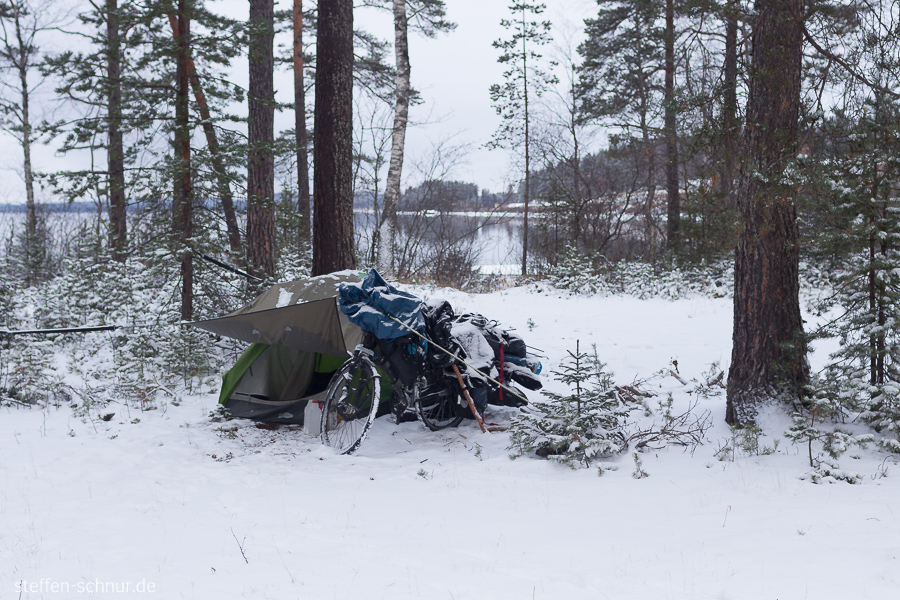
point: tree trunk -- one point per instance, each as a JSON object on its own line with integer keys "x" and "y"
{"x": 261, "y": 134}
{"x": 769, "y": 353}
{"x": 218, "y": 165}
{"x": 388, "y": 228}
{"x": 303, "y": 206}
{"x": 673, "y": 204}
{"x": 184, "y": 196}
{"x": 333, "y": 140}
{"x": 873, "y": 304}
{"x": 650, "y": 152}
{"x": 576, "y": 182}
{"x": 115, "y": 153}
{"x": 24, "y": 51}
{"x": 527, "y": 149}
{"x": 729, "y": 106}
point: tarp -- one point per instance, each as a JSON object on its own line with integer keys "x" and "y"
{"x": 300, "y": 314}
{"x": 366, "y": 303}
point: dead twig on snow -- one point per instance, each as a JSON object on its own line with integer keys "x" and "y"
{"x": 240, "y": 546}
{"x": 685, "y": 429}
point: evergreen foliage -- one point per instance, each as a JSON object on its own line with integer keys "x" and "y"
{"x": 863, "y": 229}
{"x": 582, "y": 274}
{"x": 577, "y": 427}
{"x": 151, "y": 358}
{"x": 30, "y": 254}
{"x": 576, "y": 273}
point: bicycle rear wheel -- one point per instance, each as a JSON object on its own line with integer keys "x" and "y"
{"x": 438, "y": 405}
{"x": 351, "y": 402}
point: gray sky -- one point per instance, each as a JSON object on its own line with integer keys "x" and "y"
{"x": 452, "y": 72}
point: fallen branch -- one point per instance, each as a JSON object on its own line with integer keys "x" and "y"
{"x": 678, "y": 377}
{"x": 680, "y": 430}
{"x": 629, "y": 393}
{"x": 717, "y": 380}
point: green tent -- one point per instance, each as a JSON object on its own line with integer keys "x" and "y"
{"x": 298, "y": 338}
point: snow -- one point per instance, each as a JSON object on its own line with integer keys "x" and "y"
{"x": 284, "y": 298}
{"x": 203, "y": 509}
{"x": 479, "y": 353}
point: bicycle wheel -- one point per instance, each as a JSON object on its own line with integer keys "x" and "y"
{"x": 351, "y": 402}
{"x": 438, "y": 405}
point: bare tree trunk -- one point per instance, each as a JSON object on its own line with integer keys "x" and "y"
{"x": 218, "y": 166}
{"x": 769, "y": 353}
{"x": 333, "y": 140}
{"x": 303, "y": 206}
{"x": 527, "y": 151}
{"x": 729, "y": 105}
{"x": 388, "y": 227}
{"x": 22, "y": 62}
{"x": 31, "y": 210}
{"x": 673, "y": 204}
{"x": 650, "y": 152}
{"x": 873, "y": 304}
{"x": 261, "y": 134}
{"x": 115, "y": 153}
{"x": 184, "y": 195}
{"x": 576, "y": 181}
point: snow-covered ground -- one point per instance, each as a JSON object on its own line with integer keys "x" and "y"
{"x": 173, "y": 501}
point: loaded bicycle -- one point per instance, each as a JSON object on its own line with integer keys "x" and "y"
{"x": 443, "y": 371}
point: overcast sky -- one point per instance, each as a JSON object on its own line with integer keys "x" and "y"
{"x": 452, "y": 72}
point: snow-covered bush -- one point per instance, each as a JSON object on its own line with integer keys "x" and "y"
{"x": 672, "y": 282}
{"x": 593, "y": 275}
{"x": 576, "y": 427}
{"x": 577, "y": 274}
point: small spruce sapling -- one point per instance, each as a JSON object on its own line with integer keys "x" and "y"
{"x": 576, "y": 427}
{"x": 639, "y": 472}
{"x": 811, "y": 428}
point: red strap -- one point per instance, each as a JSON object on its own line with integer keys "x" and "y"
{"x": 501, "y": 372}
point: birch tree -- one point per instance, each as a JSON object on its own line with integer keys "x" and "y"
{"x": 427, "y": 17}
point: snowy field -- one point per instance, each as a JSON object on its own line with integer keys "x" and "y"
{"x": 173, "y": 505}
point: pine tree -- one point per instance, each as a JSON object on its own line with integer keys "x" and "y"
{"x": 261, "y": 137}
{"x": 768, "y": 358}
{"x": 333, "y": 140}
{"x": 300, "y": 133}
{"x": 122, "y": 89}
{"x": 576, "y": 427}
{"x": 864, "y": 374}
{"x": 624, "y": 54}
{"x": 23, "y": 25}
{"x": 526, "y": 79}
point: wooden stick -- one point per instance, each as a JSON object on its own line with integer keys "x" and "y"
{"x": 678, "y": 377}
{"x": 469, "y": 399}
